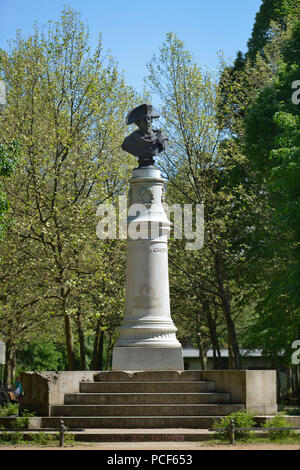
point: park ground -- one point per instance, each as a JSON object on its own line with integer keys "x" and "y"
{"x": 180, "y": 446}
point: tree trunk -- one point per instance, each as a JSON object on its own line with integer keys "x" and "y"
{"x": 297, "y": 378}
{"x": 202, "y": 352}
{"x": 279, "y": 392}
{"x": 288, "y": 382}
{"x": 10, "y": 364}
{"x": 233, "y": 347}
{"x": 69, "y": 342}
{"x": 109, "y": 352}
{"x": 96, "y": 363}
{"x": 231, "y": 364}
{"x": 213, "y": 336}
{"x": 81, "y": 340}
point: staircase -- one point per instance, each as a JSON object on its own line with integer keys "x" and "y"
{"x": 143, "y": 400}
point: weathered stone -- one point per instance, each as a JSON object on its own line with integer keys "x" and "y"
{"x": 147, "y": 335}
{"x": 44, "y": 389}
{"x": 49, "y": 392}
{"x": 256, "y": 389}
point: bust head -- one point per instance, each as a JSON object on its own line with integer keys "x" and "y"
{"x": 144, "y": 143}
{"x": 142, "y": 116}
{"x": 144, "y": 124}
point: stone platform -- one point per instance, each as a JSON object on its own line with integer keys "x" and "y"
{"x": 144, "y": 399}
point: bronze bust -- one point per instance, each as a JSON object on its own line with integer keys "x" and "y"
{"x": 144, "y": 143}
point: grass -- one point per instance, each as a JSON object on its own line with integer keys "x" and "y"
{"x": 242, "y": 419}
{"x": 257, "y": 440}
{"x": 33, "y": 438}
{"x": 20, "y": 424}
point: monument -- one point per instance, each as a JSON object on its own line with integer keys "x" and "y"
{"x": 147, "y": 387}
{"x": 147, "y": 335}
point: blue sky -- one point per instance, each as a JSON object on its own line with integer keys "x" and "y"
{"x": 133, "y": 30}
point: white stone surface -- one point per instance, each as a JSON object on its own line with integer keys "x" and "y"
{"x": 153, "y": 358}
{"x": 147, "y": 321}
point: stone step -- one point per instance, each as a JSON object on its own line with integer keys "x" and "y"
{"x": 145, "y": 398}
{"x": 147, "y": 387}
{"x": 148, "y": 376}
{"x": 144, "y": 410}
{"x": 123, "y": 435}
{"x": 142, "y": 435}
{"x": 130, "y": 422}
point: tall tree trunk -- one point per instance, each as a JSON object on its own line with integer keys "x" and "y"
{"x": 108, "y": 352}
{"x": 81, "y": 339}
{"x": 278, "y": 381}
{"x": 69, "y": 342}
{"x": 231, "y": 364}
{"x": 68, "y": 327}
{"x": 10, "y": 364}
{"x": 297, "y": 378}
{"x": 288, "y": 381}
{"x": 225, "y": 300}
{"x": 202, "y": 352}
{"x": 213, "y": 336}
{"x": 96, "y": 363}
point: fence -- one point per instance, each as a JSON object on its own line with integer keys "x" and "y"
{"x": 233, "y": 429}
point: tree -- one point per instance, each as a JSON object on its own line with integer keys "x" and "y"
{"x": 8, "y": 160}
{"x": 255, "y": 109}
{"x": 66, "y": 107}
{"x": 198, "y": 167}
{"x": 278, "y": 11}
{"x": 276, "y": 157}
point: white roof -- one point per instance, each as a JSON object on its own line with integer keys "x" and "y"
{"x": 194, "y": 352}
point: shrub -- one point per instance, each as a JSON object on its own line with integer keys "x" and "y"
{"x": 279, "y": 421}
{"x": 9, "y": 409}
{"x": 241, "y": 419}
{"x": 21, "y": 422}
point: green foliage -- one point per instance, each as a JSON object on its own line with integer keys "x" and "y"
{"x": 18, "y": 424}
{"x": 21, "y": 422}
{"x": 9, "y": 152}
{"x": 10, "y": 409}
{"x": 11, "y": 437}
{"x": 241, "y": 419}
{"x": 279, "y": 421}
{"x": 273, "y": 145}
{"x": 270, "y": 10}
{"x": 66, "y": 106}
{"x": 42, "y": 354}
{"x": 34, "y": 438}
{"x": 291, "y": 48}
{"x": 234, "y": 147}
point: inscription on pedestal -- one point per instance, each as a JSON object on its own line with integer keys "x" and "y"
{"x": 157, "y": 250}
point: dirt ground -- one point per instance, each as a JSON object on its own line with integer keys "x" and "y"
{"x": 156, "y": 446}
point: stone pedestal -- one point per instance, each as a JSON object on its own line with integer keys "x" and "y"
{"x": 147, "y": 335}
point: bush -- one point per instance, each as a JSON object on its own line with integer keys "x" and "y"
{"x": 39, "y": 438}
{"x": 10, "y": 409}
{"x": 21, "y": 422}
{"x": 241, "y": 419}
{"x": 279, "y": 421}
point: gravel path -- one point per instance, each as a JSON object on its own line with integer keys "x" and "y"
{"x": 157, "y": 446}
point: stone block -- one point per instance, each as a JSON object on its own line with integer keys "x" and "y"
{"x": 44, "y": 389}
{"x": 139, "y": 358}
{"x": 256, "y": 389}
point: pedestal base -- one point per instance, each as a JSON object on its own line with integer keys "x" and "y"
{"x": 135, "y": 358}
